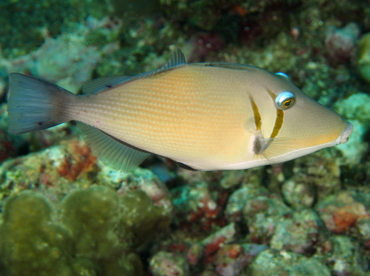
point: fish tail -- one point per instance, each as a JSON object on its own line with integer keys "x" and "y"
{"x": 35, "y": 104}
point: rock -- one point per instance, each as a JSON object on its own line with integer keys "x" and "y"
{"x": 261, "y": 215}
{"x": 298, "y": 232}
{"x": 275, "y": 263}
{"x": 169, "y": 264}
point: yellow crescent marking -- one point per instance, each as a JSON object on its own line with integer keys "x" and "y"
{"x": 279, "y": 117}
{"x": 256, "y": 113}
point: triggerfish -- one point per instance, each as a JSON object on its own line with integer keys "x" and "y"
{"x": 205, "y": 116}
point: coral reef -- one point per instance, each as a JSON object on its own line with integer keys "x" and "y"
{"x": 271, "y": 262}
{"x": 168, "y": 263}
{"x": 341, "y": 42}
{"x": 197, "y": 204}
{"x": 356, "y": 109}
{"x": 363, "y": 57}
{"x": 69, "y": 59}
{"x": 63, "y": 212}
{"x": 26, "y": 30}
{"x": 94, "y": 233}
{"x": 340, "y": 212}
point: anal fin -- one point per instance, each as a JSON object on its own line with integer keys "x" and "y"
{"x": 111, "y": 151}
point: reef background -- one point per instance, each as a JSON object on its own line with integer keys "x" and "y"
{"x": 64, "y": 213}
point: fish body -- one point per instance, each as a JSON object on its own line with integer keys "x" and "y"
{"x": 207, "y": 116}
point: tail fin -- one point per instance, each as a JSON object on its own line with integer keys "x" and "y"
{"x": 34, "y": 104}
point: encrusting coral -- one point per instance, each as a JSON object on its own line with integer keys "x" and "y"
{"x": 86, "y": 237}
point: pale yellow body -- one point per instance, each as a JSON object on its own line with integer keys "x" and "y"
{"x": 202, "y": 116}
{"x": 182, "y": 114}
{"x": 215, "y": 116}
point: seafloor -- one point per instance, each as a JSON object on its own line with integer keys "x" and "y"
{"x": 64, "y": 213}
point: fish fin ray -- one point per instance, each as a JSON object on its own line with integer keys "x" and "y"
{"x": 100, "y": 84}
{"x": 177, "y": 59}
{"x": 226, "y": 65}
{"x": 277, "y": 149}
{"x": 34, "y": 104}
{"x": 111, "y": 151}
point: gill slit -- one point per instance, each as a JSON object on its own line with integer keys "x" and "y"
{"x": 259, "y": 144}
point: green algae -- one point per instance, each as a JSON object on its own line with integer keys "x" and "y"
{"x": 137, "y": 7}
{"x": 347, "y": 256}
{"x": 138, "y": 210}
{"x": 21, "y": 32}
{"x": 94, "y": 237}
{"x": 31, "y": 243}
{"x": 81, "y": 238}
{"x": 24, "y": 24}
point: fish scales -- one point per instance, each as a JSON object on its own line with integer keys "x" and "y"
{"x": 148, "y": 110}
{"x": 208, "y": 116}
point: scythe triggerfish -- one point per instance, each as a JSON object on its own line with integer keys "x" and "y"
{"x": 205, "y": 116}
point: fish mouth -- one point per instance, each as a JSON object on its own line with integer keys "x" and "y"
{"x": 344, "y": 136}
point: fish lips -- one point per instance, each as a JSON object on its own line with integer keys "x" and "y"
{"x": 344, "y": 136}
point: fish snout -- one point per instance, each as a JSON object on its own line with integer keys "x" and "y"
{"x": 344, "y": 136}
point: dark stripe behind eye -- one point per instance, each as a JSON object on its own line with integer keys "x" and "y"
{"x": 279, "y": 117}
{"x": 278, "y": 123}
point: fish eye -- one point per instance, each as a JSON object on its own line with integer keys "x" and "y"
{"x": 285, "y": 100}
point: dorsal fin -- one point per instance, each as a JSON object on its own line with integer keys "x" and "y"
{"x": 177, "y": 59}
{"x": 103, "y": 83}
{"x": 227, "y": 65}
